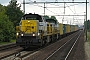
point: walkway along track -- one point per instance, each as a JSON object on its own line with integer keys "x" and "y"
{"x": 44, "y": 52}
{"x": 65, "y": 50}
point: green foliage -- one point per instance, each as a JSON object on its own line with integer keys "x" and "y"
{"x": 50, "y": 19}
{"x": 88, "y": 36}
{"x": 53, "y": 17}
{"x": 55, "y": 20}
{"x": 46, "y": 17}
{"x": 88, "y": 25}
{"x": 14, "y": 13}
{"x": 3, "y": 43}
{"x": 10, "y": 16}
{"x": 6, "y": 26}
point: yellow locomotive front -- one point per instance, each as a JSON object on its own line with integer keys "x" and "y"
{"x": 29, "y": 27}
{"x": 30, "y": 32}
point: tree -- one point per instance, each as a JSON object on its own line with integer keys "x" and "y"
{"x": 88, "y": 25}
{"x": 46, "y": 17}
{"x": 14, "y": 13}
{"x": 6, "y": 26}
{"x": 53, "y": 17}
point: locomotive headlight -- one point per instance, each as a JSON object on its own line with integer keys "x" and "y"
{"x": 28, "y": 21}
{"x": 33, "y": 34}
{"x": 21, "y": 34}
{"x": 17, "y": 34}
{"x": 38, "y": 33}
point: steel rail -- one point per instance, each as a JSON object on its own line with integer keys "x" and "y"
{"x": 72, "y": 48}
{"x": 7, "y": 55}
{"x": 29, "y": 53}
{"x": 60, "y": 48}
{"x": 4, "y": 47}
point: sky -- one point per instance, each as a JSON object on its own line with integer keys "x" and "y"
{"x": 71, "y": 9}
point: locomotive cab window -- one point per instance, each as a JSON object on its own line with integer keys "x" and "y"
{"x": 51, "y": 21}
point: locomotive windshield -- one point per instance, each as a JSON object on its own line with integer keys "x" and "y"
{"x": 32, "y": 17}
{"x": 51, "y": 21}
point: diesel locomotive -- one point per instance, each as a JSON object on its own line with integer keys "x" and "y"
{"x": 35, "y": 30}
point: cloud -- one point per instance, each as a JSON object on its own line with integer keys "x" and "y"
{"x": 4, "y": 1}
{"x": 79, "y": 9}
{"x": 35, "y": 8}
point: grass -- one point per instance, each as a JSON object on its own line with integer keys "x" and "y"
{"x": 88, "y": 36}
{"x": 12, "y": 41}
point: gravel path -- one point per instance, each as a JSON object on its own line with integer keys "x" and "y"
{"x": 87, "y": 50}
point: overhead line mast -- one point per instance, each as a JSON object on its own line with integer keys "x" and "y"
{"x": 86, "y": 20}
{"x": 44, "y": 9}
{"x": 24, "y": 6}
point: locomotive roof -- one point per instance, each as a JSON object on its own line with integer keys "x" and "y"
{"x": 32, "y": 14}
{"x": 51, "y": 20}
{"x": 36, "y": 16}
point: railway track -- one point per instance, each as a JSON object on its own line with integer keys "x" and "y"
{"x": 25, "y": 54}
{"x": 22, "y": 53}
{"x": 65, "y": 50}
{"x": 8, "y": 50}
{"x": 44, "y": 53}
{"x": 49, "y": 50}
{"x": 4, "y": 47}
{"x": 71, "y": 49}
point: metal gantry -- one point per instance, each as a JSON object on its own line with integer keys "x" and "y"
{"x": 64, "y": 9}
